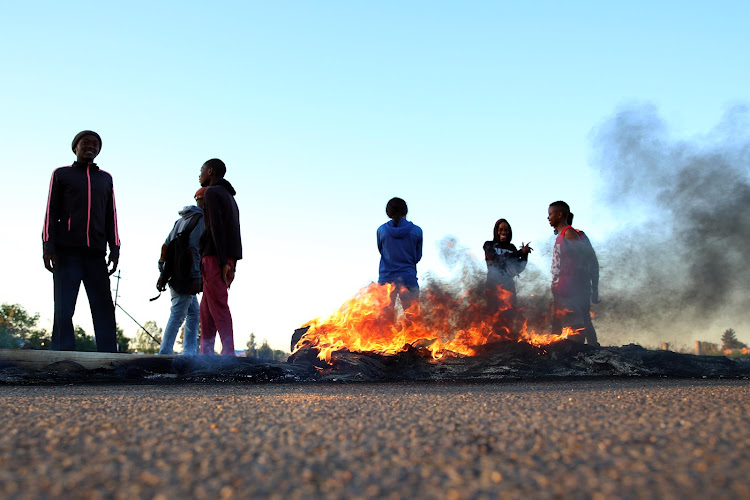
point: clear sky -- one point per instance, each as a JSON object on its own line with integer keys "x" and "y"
{"x": 322, "y": 111}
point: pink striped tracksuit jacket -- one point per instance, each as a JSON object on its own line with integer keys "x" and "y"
{"x": 81, "y": 212}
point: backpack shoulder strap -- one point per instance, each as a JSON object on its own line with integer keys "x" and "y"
{"x": 191, "y": 225}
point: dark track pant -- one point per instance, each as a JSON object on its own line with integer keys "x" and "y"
{"x": 590, "y": 332}
{"x": 70, "y": 271}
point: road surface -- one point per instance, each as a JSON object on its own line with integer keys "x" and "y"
{"x": 616, "y": 438}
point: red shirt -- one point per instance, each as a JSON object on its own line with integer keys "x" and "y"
{"x": 568, "y": 277}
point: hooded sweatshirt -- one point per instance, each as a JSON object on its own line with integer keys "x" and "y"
{"x": 400, "y": 249}
{"x": 186, "y": 215}
{"x": 221, "y": 236}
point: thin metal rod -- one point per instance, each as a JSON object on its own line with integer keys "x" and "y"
{"x": 142, "y": 327}
{"x": 117, "y": 288}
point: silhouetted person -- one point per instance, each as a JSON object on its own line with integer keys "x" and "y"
{"x": 400, "y": 247}
{"x": 80, "y": 222}
{"x": 221, "y": 248}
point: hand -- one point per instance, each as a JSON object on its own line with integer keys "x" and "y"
{"x": 49, "y": 262}
{"x": 113, "y": 261}
{"x": 525, "y": 248}
{"x": 595, "y": 296}
{"x": 161, "y": 283}
{"x": 227, "y": 273}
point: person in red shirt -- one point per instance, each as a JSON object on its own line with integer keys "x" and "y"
{"x": 591, "y": 269}
{"x": 569, "y": 277}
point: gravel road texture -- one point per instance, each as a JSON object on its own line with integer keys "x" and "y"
{"x": 603, "y": 438}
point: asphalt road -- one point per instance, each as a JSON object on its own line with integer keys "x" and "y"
{"x": 633, "y": 438}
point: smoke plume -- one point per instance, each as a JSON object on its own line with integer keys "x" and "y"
{"x": 680, "y": 261}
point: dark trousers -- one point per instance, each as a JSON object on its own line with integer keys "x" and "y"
{"x": 590, "y": 332}
{"x": 568, "y": 312}
{"x": 70, "y": 270}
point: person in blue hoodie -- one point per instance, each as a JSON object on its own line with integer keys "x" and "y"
{"x": 400, "y": 247}
{"x": 185, "y": 305}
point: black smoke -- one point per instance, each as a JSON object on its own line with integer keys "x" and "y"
{"x": 681, "y": 260}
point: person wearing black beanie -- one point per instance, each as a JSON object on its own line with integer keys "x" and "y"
{"x": 79, "y": 224}
{"x": 80, "y": 135}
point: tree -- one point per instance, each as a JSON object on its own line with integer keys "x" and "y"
{"x": 280, "y": 355}
{"x": 251, "y": 348}
{"x": 84, "y": 341}
{"x": 39, "y": 339}
{"x": 729, "y": 340}
{"x": 123, "y": 342}
{"x": 147, "y": 341}
{"x": 265, "y": 352}
{"x": 19, "y": 329}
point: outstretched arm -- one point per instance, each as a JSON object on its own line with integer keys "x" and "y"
{"x": 489, "y": 252}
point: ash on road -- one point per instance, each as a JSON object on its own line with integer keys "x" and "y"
{"x": 648, "y": 438}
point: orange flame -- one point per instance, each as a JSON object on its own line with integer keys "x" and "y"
{"x": 444, "y": 322}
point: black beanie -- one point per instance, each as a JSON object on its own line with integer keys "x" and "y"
{"x": 79, "y": 135}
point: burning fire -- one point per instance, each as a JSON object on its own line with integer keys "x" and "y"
{"x": 444, "y": 322}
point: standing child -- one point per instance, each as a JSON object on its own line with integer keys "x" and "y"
{"x": 504, "y": 262}
{"x": 400, "y": 247}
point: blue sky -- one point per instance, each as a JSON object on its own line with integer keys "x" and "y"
{"x": 322, "y": 111}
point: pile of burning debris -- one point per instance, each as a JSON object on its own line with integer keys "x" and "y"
{"x": 446, "y": 337}
{"x": 501, "y": 361}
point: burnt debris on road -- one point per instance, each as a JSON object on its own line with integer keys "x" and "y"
{"x": 501, "y": 361}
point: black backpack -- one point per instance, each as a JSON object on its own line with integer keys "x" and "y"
{"x": 178, "y": 261}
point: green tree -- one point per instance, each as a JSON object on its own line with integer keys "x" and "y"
{"x": 84, "y": 341}
{"x": 123, "y": 342}
{"x": 729, "y": 340}
{"x": 280, "y": 355}
{"x": 39, "y": 339}
{"x": 147, "y": 342}
{"x": 251, "y": 350}
{"x": 265, "y": 352}
{"x": 18, "y": 328}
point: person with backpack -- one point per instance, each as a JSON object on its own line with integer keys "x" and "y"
{"x": 180, "y": 268}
